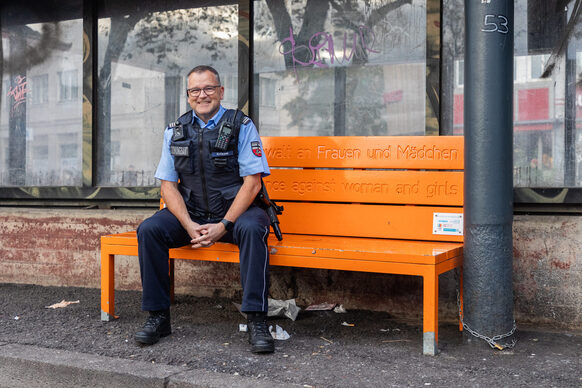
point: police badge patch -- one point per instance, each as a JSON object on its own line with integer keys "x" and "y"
{"x": 256, "y": 147}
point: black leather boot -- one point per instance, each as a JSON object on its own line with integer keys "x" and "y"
{"x": 156, "y": 326}
{"x": 259, "y": 337}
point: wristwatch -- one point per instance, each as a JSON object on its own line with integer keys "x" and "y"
{"x": 228, "y": 225}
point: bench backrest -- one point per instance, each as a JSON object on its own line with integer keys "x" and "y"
{"x": 408, "y": 187}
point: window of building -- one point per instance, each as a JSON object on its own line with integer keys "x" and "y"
{"x": 69, "y": 161}
{"x": 69, "y": 151}
{"x": 267, "y": 92}
{"x": 39, "y": 89}
{"x": 68, "y": 85}
{"x": 40, "y": 152}
{"x": 40, "y": 155}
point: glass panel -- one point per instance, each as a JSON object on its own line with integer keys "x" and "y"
{"x": 145, "y": 52}
{"x": 41, "y": 110}
{"x": 340, "y": 68}
{"x": 538, "y": 100}
{"x": 545, "y": 95}
{"x": 452, "y": 67}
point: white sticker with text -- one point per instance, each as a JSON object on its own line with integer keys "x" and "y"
{"x": 448, "y": 223}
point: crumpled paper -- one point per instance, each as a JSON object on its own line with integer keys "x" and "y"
{"x": 283, "y": 308}
{"x": 340, "y": 309}
{"x": 278, "y": 308}
{"x": 279, "y": 333}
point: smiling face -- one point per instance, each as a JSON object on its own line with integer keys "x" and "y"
{"x": 205, "y": 106}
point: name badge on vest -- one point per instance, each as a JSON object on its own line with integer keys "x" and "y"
{"x": 222, "y": 154}
{"x": 180, "y": 151}
{"x": 219, "y": 158}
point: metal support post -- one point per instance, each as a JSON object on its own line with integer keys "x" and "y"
{"x": 488, "y": 252}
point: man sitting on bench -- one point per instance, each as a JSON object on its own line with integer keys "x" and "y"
{"x": 210, "y": 170}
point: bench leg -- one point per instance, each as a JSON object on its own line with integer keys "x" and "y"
{"x": 107, "y": 285}
{"x": 430, "y": 307}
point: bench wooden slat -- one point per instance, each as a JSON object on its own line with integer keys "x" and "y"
{"x": 393, "y": 267}
{"x": 376, "y": 249}
{"x": 406, "y": 152}
{"x": 380, "y": 221}
{"x": 370, "y": 186}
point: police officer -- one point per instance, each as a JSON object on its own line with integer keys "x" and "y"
{"x": 210, "y": 178}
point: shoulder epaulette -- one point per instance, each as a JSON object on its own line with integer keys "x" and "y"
{"x": 186, "y": 118}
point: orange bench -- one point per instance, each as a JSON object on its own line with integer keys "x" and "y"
{"x": 389, "y": 205}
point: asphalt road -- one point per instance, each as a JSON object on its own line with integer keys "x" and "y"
{"x": 325, "y": 349}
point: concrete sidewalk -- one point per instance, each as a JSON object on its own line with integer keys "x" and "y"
{"x": 34, "y": 366}
{"x": 71, "y": 347}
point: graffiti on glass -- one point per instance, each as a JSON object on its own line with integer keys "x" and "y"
{"x": 18, "y": 92}
{"x": 321, "y": 45}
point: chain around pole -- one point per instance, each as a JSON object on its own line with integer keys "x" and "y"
{"x": 492, "y": 341}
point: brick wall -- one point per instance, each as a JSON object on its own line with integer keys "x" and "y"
{"x": 60, "y": 247}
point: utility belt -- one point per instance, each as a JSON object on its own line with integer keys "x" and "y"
{"x": 207, "y": 217}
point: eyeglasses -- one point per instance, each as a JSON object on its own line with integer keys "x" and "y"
{"x": 208, "y": 90}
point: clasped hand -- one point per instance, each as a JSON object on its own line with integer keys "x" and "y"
{"x": 206, "y": 235}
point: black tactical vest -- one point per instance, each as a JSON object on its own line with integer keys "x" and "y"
{"x": 209, "y": 179}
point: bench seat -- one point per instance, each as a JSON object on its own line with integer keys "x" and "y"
{"x": 311, "y": 251}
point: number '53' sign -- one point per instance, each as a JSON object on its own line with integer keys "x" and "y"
{"x": 495, "y": 23}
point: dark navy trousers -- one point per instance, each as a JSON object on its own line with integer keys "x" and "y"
{"x": 162, "y": 231}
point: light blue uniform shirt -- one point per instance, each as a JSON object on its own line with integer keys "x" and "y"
{"x": 249, "y": 163}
